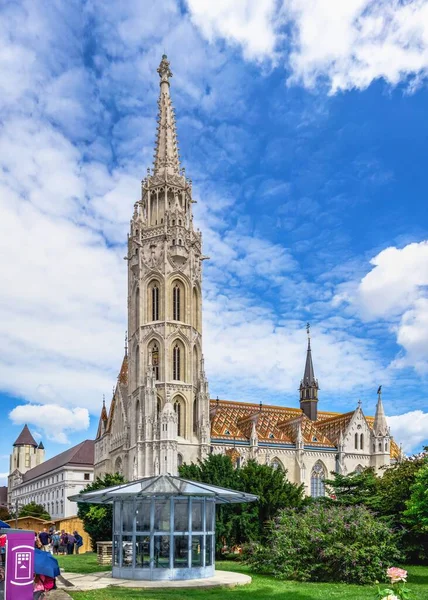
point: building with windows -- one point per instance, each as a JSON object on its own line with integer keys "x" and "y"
{"x": 48, "y": 482}
{"x": 161, "y": 414}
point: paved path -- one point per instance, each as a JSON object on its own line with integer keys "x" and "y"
{"x": 96, "y": 581}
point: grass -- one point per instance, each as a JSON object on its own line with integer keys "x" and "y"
{"x": 81, "y": 563}
{"x": 262, "y": 588}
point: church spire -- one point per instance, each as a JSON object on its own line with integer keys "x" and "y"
{"x": 380, "y": 426}
{"x": 309, "y": 385}
{"x": 166, "y": 156}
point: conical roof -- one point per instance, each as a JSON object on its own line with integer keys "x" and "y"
{"x": 25, "y": 438}
{"x": 380, "y": 426}
{"x": 309, "y": 375}
{"x": 166, "y": 150}
{"x": 163, "y": 485}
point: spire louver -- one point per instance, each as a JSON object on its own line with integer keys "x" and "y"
{"x": 167, "y": 158}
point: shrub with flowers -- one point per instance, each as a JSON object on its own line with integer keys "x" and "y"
{"x": 397, "y": 589}
{"x": 326, "y": 543}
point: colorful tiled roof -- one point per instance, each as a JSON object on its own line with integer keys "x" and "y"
{"x": 279, "y": 424}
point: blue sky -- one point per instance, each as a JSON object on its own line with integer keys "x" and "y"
{"x": 303, "y": 126}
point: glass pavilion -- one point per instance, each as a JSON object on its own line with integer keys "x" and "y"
{"x": 163, "y": 526}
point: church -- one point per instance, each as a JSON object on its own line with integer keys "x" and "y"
{"x": 161, "y": 414}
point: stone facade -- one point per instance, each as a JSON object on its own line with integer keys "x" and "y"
{"x": 161, "y": 414}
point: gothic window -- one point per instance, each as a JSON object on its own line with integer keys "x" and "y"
{"x": 137, "y": 366}
{"x": 380, "y": 446}
{"x": 155, "y": 361}
{"x": 356, "y": 441}
{"x": 179, "y": 242}
{"x": 173, "y": 242}
{"x": 195, "y": 415}
{"x": 362, "y": 441}
{"x": 137, "y": 308}
{"x": 118, "y": 465}
{"x": 359, "y": 469}
{"x": 173, "y": 221}
{"x": 386, "y": 446}
{"x": 275, "y": 464}
{"x": 155, "y": 303}
{"x": 179, "y": 460}
{"x": 176, "y": 362}
{"x": 176, "y": 303}
{"x": 317, "y": 481}
{"x": 179, "y": 410}
{"x": 158, "y": 407}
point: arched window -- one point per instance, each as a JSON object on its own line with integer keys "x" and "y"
{"x": 275, "y": 464}
{"x": 179, "y": 222}
{"x": 118, "y": 465}
{"x": 155, "y": 303}
{"x": 176, "y": 303}
{"x": 155, "y": 361}
{"x": 173, "y": 221}
{"x": 137, "y": 308}
{"x": 137, "y": 419}
{"x": 176, "y": 362}
{"x": 178, "y": 407}
{"x": 359, "y": 469}
{"x": 196, "y": 310}
{"x": 362, "y": 441}
{"x": 317, "y": 481}
{"x": 179, "y": 460}
{"x": 158, "y": 406}
{"x": 356, "y": 441}
{"x": 137, "y": 366}
{"x": 195, "y": 415}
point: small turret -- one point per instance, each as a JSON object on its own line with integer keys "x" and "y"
{"x": 381, "y": 437}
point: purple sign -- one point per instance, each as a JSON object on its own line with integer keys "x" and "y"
{"x": 19, "y": 565}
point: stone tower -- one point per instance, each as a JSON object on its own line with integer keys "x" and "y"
{"x": 168, "y": 398}
{"x": 26, "y": 453}
{"x": 309, "y": 385}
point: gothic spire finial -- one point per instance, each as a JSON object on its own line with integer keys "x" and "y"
{"x": 104, "y": 400}
{"x": 164, "y": 71}
{"x": 309, "y": 385}
{"x": 126, "y": 343}
{"x": 166, "y": 148}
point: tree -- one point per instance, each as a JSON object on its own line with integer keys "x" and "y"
{"x": 355, "y": 488}
{"x": 98, "y": 520}
{"x": 4, "y": 514}
{"x": 34, "y": 510}
{"x": 416, "y": 513}
{"x": 240, "y": 523}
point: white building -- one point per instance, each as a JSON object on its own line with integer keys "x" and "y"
{"x": 161, "y": 414}
{"x": 50, "y": 482}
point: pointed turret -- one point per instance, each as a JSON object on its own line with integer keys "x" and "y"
{"x": 380, "y": 426}
{"x": 25, "y": 438}
{"x": 309, "y": 385}
{"x": 104, "y": 416}
{"x": 167, "y": 159}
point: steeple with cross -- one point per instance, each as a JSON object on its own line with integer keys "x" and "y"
{"x": 309, "y": 385}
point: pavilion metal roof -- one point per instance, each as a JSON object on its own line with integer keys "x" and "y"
{"x": 163, "y": 485}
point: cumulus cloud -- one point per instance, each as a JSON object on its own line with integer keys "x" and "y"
{"x": 396, "y": 290}
{"x": 55, "y": 421}
{"x": 410, "y": 429}
{"x": 249, "y": 23}
{"x": 346, "y": 44}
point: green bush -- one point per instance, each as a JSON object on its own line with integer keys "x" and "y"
{"x": 327, "y": 543}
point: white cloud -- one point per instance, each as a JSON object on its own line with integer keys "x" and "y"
{"x": 253, "y": 24}
{"x": 55, "y": 421}
{"x": 410, "y": 429}
{"x": 348, "y": 44}
{"x": 396, "y": 290}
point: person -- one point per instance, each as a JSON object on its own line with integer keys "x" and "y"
{"x": 42, "y": 584}
{"x": 79, "y": 541}
{"x": 63, "y": 542}
{"x": 37, "y": 542}
{"x": 70, "y": 544}
{"x": 56, "y": 540}
{"x": 45, "y": 540}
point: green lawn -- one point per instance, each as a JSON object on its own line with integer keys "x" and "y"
{"x": 81, "y": 563}
{"x": 262, "y": 588}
